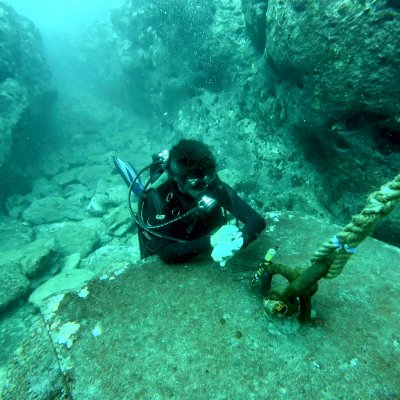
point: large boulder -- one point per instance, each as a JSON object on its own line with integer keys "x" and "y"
{"x": 12, "y": 230}
{"x": 26, "y": 94}
{"x": 211, "y": 333}
{"x": 156, "y": 55}
{"x": 326, "y": 87}
{"x": 65, "y": 281}
{"x": 13, "y": 104}
{"x": 24, "y": 267}
{"x": 14, "y": 284}
{"x": 112, "y": 257}
{"x": 71, "y": 237}
{"x": 14, "y": 287}
{"x": 341, "y": 57}
{"x": 52, "y": 209}
{"x": 163, "y": 53}
{"x": 254, "y": 15}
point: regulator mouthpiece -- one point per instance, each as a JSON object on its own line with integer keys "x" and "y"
{"x": 206, "y": 203}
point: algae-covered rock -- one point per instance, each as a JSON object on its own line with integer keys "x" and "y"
{"x": 326, "y": 87}
{"x": 13, "y": 103}
{"x": 26, "y": 95}
{"x": 44, "y": 380}
{"x": 53, "y": 209}
{"x": 342, "y": 56}
{"x": 119, "y": 221}
{"x": 16, "y": 204}
{"x": 162, "y": 52}
{"x": 254, "y": 15}
{"x": 74, "y": 238}
{"x": 117, "y": 194}
{"x": 98, "y": 205}
{"x": 66, "y": 281}
{"x": 13, "y": 234}
{"x": 32, "y": 259}
{"x": 72, "y": 261}
{"x": 71, "y": 237}
{"x": 39, "y": 257}
{"x": 14, "y": 286}
{"x": 205, "y": 329}
{"x": 66, "y": 178}
{"x": 112, "y": 257}
{"x": 25, "y": 267}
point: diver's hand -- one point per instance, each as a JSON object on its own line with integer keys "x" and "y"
{"x": 224, "y": 234}
{"x": 226, "y": 242}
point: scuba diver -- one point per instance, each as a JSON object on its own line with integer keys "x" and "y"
{"x": 182, "y": 209}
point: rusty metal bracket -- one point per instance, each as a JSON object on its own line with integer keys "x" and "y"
{"x": 287, "y": 299}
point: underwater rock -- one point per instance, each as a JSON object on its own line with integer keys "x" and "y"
{"x": 46, "y": 382}
{"x": 26, "y": 96}
{"x": 170, "y": 50}
{"x": 71, "y": 237}
{"x": 66, "y": 281}
{"x": 77, "y": 191}
{"x": 72, "y": 261}
{"x": 14, "y": 286}
{"x": 27, "y": 266}
{"x": 254, "y": 15}
{"x": 52, "y": 209}
{"x": 87, "y": 175}
{"x": 13, "y": 329}
{"x": 98, "y": 205}
{"x": 42, "y": 187}
{"x": 13, "y": 103}
{"x": 66, "y": 178}
{"x": 327, "y": 82}
{"x": 119, "y": 221}
{"x": 26, "y": 263}
{"x": 14, "y": 234}
{"x": 16, "y": 204}
{"x": 117, "y": 194}
{"x": 39, "y": 258}
{"x": 338, "y": 58}
{"x": 111, "y": 257}
{"x": 206, "y": 330}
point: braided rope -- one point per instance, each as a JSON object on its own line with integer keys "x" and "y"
{"x": 379, "y": 205}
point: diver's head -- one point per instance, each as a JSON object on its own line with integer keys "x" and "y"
{"x": 192, "y": 165}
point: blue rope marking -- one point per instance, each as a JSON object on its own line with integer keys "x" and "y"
{"x": 343, "y": 246}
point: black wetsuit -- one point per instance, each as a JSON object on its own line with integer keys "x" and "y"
{"x": 168, "y": 202}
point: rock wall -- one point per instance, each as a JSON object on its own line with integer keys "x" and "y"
{"x": 26, "y": 95}
{"x": 307, "y": 91}
{"x": 163, "y": 51}
{"x": 254, "y": 15}
{"x": 341, "y": 55}
{"x": 329, "y": 75}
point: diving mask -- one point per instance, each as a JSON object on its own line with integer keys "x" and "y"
{"x": 196, "y": 184}
{"x": 191, "y": 182}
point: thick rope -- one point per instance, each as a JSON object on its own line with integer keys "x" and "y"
{"x": 336, "y": 252}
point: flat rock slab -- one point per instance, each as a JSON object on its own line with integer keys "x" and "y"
{"x": 199, "y": 331}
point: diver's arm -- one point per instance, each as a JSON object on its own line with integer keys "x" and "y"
{"x": 174, "y": 253}
{"x": 253, "y": 222}
{"x": 254, "y": 225}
